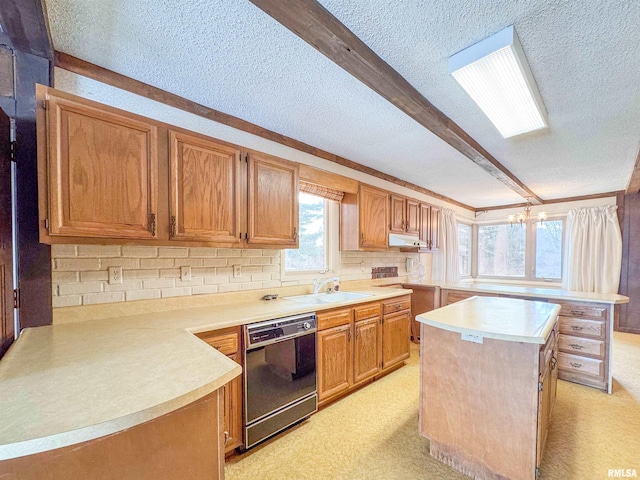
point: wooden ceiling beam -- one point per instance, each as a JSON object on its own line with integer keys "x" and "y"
{"x": 580, "y": 198}
{"x": 317, "y": 26}
{"x": 109, "y": 77}
{"x": 25, "y": 26}
{"x": 633, "y": 186}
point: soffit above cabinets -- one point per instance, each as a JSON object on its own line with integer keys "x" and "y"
{"x": 231, "y": 56}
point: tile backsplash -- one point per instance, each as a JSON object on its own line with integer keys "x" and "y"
{"x": 80, "y": 272}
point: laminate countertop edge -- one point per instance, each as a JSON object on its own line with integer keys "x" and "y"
{"x": 64, "y": 384}
{"x": 504, "y": 319}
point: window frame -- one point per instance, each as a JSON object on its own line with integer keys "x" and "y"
{"x": 472, "y": 252}
{"x": 331, "y": 241}
{"x": 530, "y": 253}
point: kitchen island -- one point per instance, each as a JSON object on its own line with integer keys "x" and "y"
{"x": 488, "y": 376}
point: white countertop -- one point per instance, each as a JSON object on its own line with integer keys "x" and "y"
{"x": 535, "y": 292}
{"x": 498, "y": 318}
{"x": 69, "y": 383}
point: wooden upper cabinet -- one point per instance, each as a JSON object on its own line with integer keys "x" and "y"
{"x": 205, "y": 190}
{"x": 412, "y": 221}
{"x": 429, "y": 225}
{"x": 101, "y": 165}
{"x": 273, "y": 201}
{"x": 364, "y": 220}
{"x": 405, "y": 215}
{"x": 398, "y": 214}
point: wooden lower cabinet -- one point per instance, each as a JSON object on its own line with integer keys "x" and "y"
{"x": 334, "y": 361}
{"x": 354, "y": 346}
{"x": 547, "y": 390}
{"x": 227, "y": 341}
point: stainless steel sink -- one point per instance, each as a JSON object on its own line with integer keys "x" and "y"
{"x": 323, "y": 298}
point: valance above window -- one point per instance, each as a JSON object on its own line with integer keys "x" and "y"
{"x": 321, "y": 191}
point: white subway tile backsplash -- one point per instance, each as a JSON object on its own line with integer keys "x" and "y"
{"x": 80, "y": 274}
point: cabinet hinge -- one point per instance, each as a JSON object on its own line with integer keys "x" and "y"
{"x": 540, "y": 386}
{"x": 246, "y": 236}
{"x": 537, "y": 472}
{"x": 16, "y": 298}
{"x": 246, "y": 158}
{"x": 240, "y": 235}
{"x": 152, "y": 223}
{"x": 44, "y": 104}
{"x": 46, "y": 223}
{"x": 12, "y": 140}
{"x": 173, "y": 226}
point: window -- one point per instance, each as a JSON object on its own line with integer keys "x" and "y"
{"x": 501, "y": 250}
{"x": 464, "y": 249}
{"x": 313, "y": 253}
{"x": 532, "y": 251}
{"x": 548, "y": 265}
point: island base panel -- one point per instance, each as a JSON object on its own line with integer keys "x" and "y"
{"x": 186, "y": 443}
{"x": 479, "y": 404}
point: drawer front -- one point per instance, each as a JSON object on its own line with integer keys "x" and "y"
{"x": 453, "y": 296}
{"x": 397, "y": 305}
{"x": 227, "y": 343}
{"x": 370, "y": 310}
{"x": 582, "y": 310}
{"x": 583, "y": 327}
{"x": 577, "y": 364}
{"x": 580, "y": 346}
{"x": 333, "y": 318}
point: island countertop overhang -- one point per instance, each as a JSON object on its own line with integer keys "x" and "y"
{"x": 498, "y": 318}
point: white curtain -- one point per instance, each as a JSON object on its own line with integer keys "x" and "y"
{"x": 445, "y": 261}
{"x": 592, "y": 250}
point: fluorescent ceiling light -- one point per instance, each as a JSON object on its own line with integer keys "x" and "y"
{"x": 495, "y": 74}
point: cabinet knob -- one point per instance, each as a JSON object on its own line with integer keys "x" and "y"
{"x": 577, "y": 312}
{"x": 575, "y": 346}
{"x": 576, "y": 328}
{"x": 226, "y": 437}
{"x": 575, "y": 364}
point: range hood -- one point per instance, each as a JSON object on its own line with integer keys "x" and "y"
{"x": 398, "y": 240}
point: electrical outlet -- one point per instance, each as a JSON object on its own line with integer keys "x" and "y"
{"x": 115, "y": 275}
{"x": 237, "y": 271}
{"x": 185, "y": 274}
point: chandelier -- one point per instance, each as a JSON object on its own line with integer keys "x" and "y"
{"x": 523, "y": 217}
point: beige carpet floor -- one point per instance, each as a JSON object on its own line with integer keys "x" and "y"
{"x": 373, "y": 433}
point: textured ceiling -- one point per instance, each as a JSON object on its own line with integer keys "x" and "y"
{"x": 229, "y": 55}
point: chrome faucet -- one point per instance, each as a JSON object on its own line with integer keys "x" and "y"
{"x": 318, "y": 283}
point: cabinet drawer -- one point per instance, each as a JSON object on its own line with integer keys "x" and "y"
{"x": 577, "y": 364}
{"x": 397, "y": 305}
{"x": 581, "y": 346}
{"x": 453, "y": 296}
{"x": 582, "y": 326}
{"x": 369, "y": 310}
{"x": 226, "y": 343}
{"x": 333, "y": 318}
{"x": 582, "y": 310}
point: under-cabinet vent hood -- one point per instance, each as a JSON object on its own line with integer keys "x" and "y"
{"x": 397, "y": 240}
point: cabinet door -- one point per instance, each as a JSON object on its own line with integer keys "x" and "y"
{"x": 412, "y": 217}
{"x": 233, "y": 411}
{"x": 425, "y": 223}
{"x": 373, "y": 215}
{"x": 395, "y": 338}
{"x": 205, "y": 189}
{"x": 102, "y": 171}
{"x": 398, "y": 214}
{"x": 544, "y": 411}
{"x": 365, "y": 349}
{"x": 273, "y": 201}
{"x": 434, "y": 228}
{"x": 334, "y": 361}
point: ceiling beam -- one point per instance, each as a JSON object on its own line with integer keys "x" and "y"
{"x": 633, "y": 186}
{"x": 579, "y": 198}
{"x": 109, "y": 77}
{"x": 25, "y": 26}
{"x": 317, "y": 26}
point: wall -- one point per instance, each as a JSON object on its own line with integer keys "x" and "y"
{"x": 80, "y": 272}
